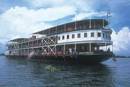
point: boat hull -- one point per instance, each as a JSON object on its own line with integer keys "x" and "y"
{"x": 81, "y": 59}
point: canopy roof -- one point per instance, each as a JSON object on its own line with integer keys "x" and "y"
{"x": 76, "y": 25}
{"x": 19, "y": 39}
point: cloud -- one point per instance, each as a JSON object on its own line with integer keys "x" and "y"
{"x": 46, "y": 3}
{"x": 89, "y": 15}
{"x": 80, "y": 4}
{"x": 84, "y": 8}
{"x": 21, "y": 21}
{"x": 39, "y": 15}
{"x": 121, "y": 41}
{"x": 113, "y": 2}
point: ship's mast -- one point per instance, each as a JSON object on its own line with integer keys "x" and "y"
{"x": 75, "y": 47}
{"x": 75, "y": 22}
{"x": 56, "y": 41}
{"x": 90, "y": 23}
{"x": 103, "y": 23}
{"x": 108, "y": 16}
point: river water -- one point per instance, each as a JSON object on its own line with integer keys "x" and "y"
{"x": 34, "y": 73}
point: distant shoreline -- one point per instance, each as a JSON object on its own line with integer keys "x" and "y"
{"x": 122, "y": 56}
{"x": 2, "y": 54}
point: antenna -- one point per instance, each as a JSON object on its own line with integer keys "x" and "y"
{"x": 90, "y": 24}
{"x": 108, "y": 15}
{"x": 107, "y": 18}
{"x": 103, "y": 23}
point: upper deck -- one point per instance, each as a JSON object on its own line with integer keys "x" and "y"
{"x": 74, "y": 26}
{"x": 61, "y": 33}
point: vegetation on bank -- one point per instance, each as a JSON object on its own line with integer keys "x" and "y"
{"x": 1, "y": 54}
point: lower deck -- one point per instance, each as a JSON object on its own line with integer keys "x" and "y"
{"x": 83, "y": 58}
{"x": 70, "y": 52}
{"x": 63, "y": 50}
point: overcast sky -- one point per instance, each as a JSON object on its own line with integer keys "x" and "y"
{"x": 20, "y": 18}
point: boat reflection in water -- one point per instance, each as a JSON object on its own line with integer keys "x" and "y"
{"x": 58, "y": 75}
{"x": 16, "y": 72}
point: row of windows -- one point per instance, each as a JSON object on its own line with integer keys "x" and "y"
{"x": 79, "y": 35}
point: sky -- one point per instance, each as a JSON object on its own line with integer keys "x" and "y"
{"x": 20, "y": 18}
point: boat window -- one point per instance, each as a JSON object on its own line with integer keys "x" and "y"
{"x": 103, "y": 35}
{"x": 78, "y": 35}
{"x": 73, "y": 36}
{"x": 67, "y": 36}
{"x": 63, "y": 37}
{"x": 99, "y": 34}
{"x": 92, "y": 34}
{"x": 59, "y": 38}
{"x": 107, "y": 36}
{"x": 85, "y": 34}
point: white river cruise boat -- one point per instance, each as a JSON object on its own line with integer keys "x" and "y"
{"x": 84, "y": 41}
